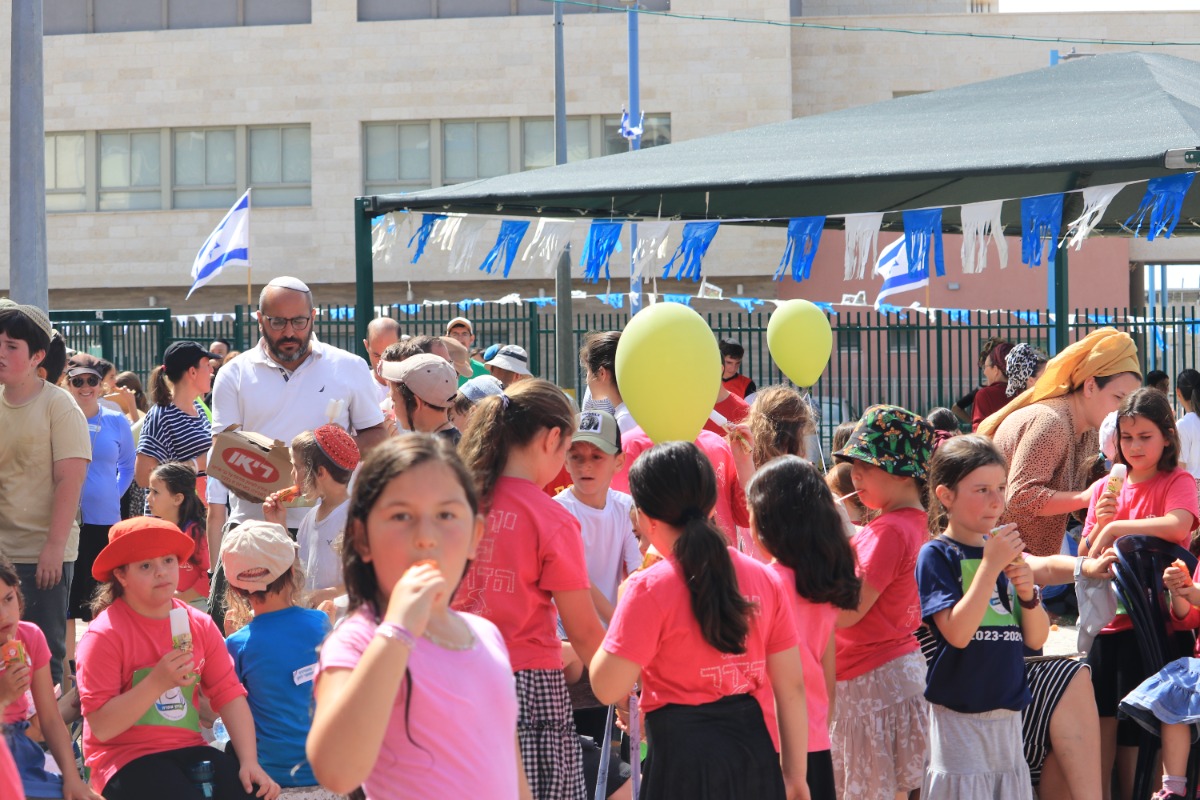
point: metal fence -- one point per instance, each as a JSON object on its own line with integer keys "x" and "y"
{"x": 916, "y": 359}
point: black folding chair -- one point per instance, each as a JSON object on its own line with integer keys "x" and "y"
{"x": 1138, "y": 573}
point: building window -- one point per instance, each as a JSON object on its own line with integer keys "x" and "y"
{"x": 65, "y": 172}
{"x": 849, "y": 337}
{"x": 656, "y": 130}
{"x": 537, "y": 142}
{"x": 110, "y": 16}
{"x": 205, "y": 168}
{"x": 130, "y": 171}
{"x": 904, "y": 337}
{"x": 281, "y": 166}
{"x": 472, "y": 150}
{"x": 396, "y": 157}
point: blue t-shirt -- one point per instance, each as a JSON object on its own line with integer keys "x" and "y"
{"x": 989, "y": 673}
{"x": 275, "y": 657}
{"x": 111, "y": 469}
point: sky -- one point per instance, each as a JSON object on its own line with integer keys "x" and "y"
{"x": 1027, "y": 6}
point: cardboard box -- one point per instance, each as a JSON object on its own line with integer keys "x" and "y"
{"x": 250, "y": 465}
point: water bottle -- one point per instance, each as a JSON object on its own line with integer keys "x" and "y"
{"x": 203, "y": 776}
{"x": 220, "y": 734}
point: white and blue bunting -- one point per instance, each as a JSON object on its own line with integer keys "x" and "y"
{"x": 1041, "y": 229}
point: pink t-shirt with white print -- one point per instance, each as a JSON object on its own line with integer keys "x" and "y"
{"x": 814, "y": 625}
{"x": 37, "y": 655}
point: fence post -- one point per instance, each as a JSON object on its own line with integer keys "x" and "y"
{"x": 106, "y": 340}
{"x": 941, "y": 385}
{"x": 535, "y": 350}
{"x": 164, "y": 333}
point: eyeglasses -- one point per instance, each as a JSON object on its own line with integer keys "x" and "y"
{"x": 279, "y": 323}
{"x": 90, "y": 380}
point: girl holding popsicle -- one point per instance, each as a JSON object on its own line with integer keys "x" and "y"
{"x": 1157, "y": 498}
{"x": 172, "y": 497}
{"x": 141, "y": 662}
{"x": 24, "y": 682}
{"x": 983, "y": 609}
{"x": 413, "y": 698}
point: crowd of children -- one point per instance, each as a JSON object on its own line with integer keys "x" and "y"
{"x": 443, "y": 624}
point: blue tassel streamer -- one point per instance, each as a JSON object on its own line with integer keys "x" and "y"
{"x": 541, "y": 302}
{"x": 1159, "y": 339}
{"x": 1101, "y": 319}
{"x": 888, "y": 308}
{"x": 1041, "y": 222}
{"x": 697, "y": 236}
{"x": 920, "y": 229}
{"x": 615, "y": 300}
{"x": 467, "y": 305}
{"x": 410, "y": 308}
{"x": 1028, "y": 317}
{"x": 602, "y": 240}
{"x": 748, "y": 304}
{"x": 803, "y": 239}
{"x": 682, "y": 299}
{"x": 512, "y": 231}
{"x": 826, "y": 307}
{"x": 1163, "y": 201}
{"x": 960, "y": 315}
{"x": 421, "y": 237}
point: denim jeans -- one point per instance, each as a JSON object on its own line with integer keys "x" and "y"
{"x": 47, "y": 608}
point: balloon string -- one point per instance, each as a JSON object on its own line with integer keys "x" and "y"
{"x": 820, "y": 452}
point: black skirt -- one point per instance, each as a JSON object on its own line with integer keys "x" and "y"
{"x": 716, "y": 751}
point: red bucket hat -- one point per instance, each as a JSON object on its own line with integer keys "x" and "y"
{"x": 139, "y": 539}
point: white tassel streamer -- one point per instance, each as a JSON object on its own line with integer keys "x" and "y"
{"x": 979, "y": 221}
{"x": 462, "y": 257}
{"x": 652, "y": 246}
{"x": 1095, "y": 203}
{"x": 862, "y": 242}
{"x": 550, "y": 238}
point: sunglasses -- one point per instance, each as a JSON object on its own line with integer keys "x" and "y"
{"x": 279, "y": 323}
{"x": 90, "y": 380}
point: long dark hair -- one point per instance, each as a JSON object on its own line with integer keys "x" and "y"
{"x": 795, "y": 519}
{"x": 511, "y": 420}
{"x": 675, "y": 484}
{"x": 180, "y": 478}
{"x": 1154, "y": 406}
{"x": 600, "y": 351}
{"x": 955, "y": 459}
{"x": 381, "y": 465}
{"x": 1187, "y": 383}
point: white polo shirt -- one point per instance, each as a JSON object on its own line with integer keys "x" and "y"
{"x": 258, "y": 395}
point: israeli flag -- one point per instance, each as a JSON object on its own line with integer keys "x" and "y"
{"x": 892, "y": 266}
{"x": 229, "y": 245}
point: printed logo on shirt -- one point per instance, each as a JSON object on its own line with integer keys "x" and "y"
{"x": 1001, "y": 611}
{"x": 736, "y": 677}
{"x": 484, "y": 578}
{"x": 173, "y": 709}
{"x": 304, "y": 675}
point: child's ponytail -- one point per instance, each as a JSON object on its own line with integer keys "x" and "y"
{"x": 675, "y": 483}
{"x": 510, "y": 420}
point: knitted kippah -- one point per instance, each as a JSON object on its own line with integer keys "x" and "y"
{"x": 35, "y": 314}
{"x": 337, "y": 445}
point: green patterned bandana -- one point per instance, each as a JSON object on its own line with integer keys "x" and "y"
{"x": 893, "y": 439}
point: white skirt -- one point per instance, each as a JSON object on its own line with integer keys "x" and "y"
{"x": 975, "y": 757}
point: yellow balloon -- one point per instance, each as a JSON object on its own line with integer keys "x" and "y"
{"x": 800, "y": 341}
{"x": 669, "y": 371}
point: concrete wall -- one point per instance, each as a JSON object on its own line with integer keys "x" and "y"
{"x": 338, "y": 73}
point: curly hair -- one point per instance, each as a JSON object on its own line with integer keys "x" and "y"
{"x": 779, "y": 420}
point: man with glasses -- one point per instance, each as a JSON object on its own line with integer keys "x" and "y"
{"x": 289, "y": 382}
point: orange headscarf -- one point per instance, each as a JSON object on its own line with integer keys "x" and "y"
{"x": 1102, "y": 352}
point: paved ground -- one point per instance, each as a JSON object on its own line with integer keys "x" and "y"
{"x": 1062, "y": 641}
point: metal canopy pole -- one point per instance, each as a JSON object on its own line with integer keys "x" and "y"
{"x": 564, "y": 333}
{"x": 364, "y": 271}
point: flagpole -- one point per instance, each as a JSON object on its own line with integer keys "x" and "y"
{"x": 249, "y": 268}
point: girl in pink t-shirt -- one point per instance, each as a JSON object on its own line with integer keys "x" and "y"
{"x": 711, "y": 635}
{"x": 25, "y": 677}
{"x": 795, "y": 522}
{"x": 139, "y": 678}
{"x": 172, "y": 496}
{"x": 1159, "y": 499}
{"x": 880, "y": 726}
{"x": 414, "y": 699}
{"x": 530, "y": 563}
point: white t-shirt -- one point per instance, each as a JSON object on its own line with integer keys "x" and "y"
{"x": 252, "y": 391}
{"x": 609, "y": 544}
{"x": 624, "y": 419}
{"x": 1189, "y": 440}
{"x": 321, "y": 561}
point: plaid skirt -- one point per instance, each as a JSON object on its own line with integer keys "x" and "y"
{"x": 550, "y": 749}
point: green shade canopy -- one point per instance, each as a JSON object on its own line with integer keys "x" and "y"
{"x": 1086, "y": 122}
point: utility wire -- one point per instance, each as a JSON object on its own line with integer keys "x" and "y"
{"x": 825, "y": 26}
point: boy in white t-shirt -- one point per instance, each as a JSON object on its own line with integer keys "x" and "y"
{"x": 610, "y": 546}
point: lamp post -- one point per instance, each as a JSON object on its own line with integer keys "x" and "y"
{"x": 635, "y": 143}
{"x": 564, "y": 338}
{"x": 28, "y": 277}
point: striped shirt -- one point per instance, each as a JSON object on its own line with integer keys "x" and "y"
{"x": 168, "y": 434}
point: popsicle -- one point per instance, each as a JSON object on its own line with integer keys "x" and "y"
{"x": 181, "y": 629}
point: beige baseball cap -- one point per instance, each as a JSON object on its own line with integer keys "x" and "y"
{"x": 599, "y": 428}
{"x": 431, "y": 378}
{"x": 255, "y": 553}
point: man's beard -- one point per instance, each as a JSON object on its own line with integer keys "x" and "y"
{"x": 288, "y": 358}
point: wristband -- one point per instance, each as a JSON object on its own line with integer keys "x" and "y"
{"x": 390, "y": 630}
